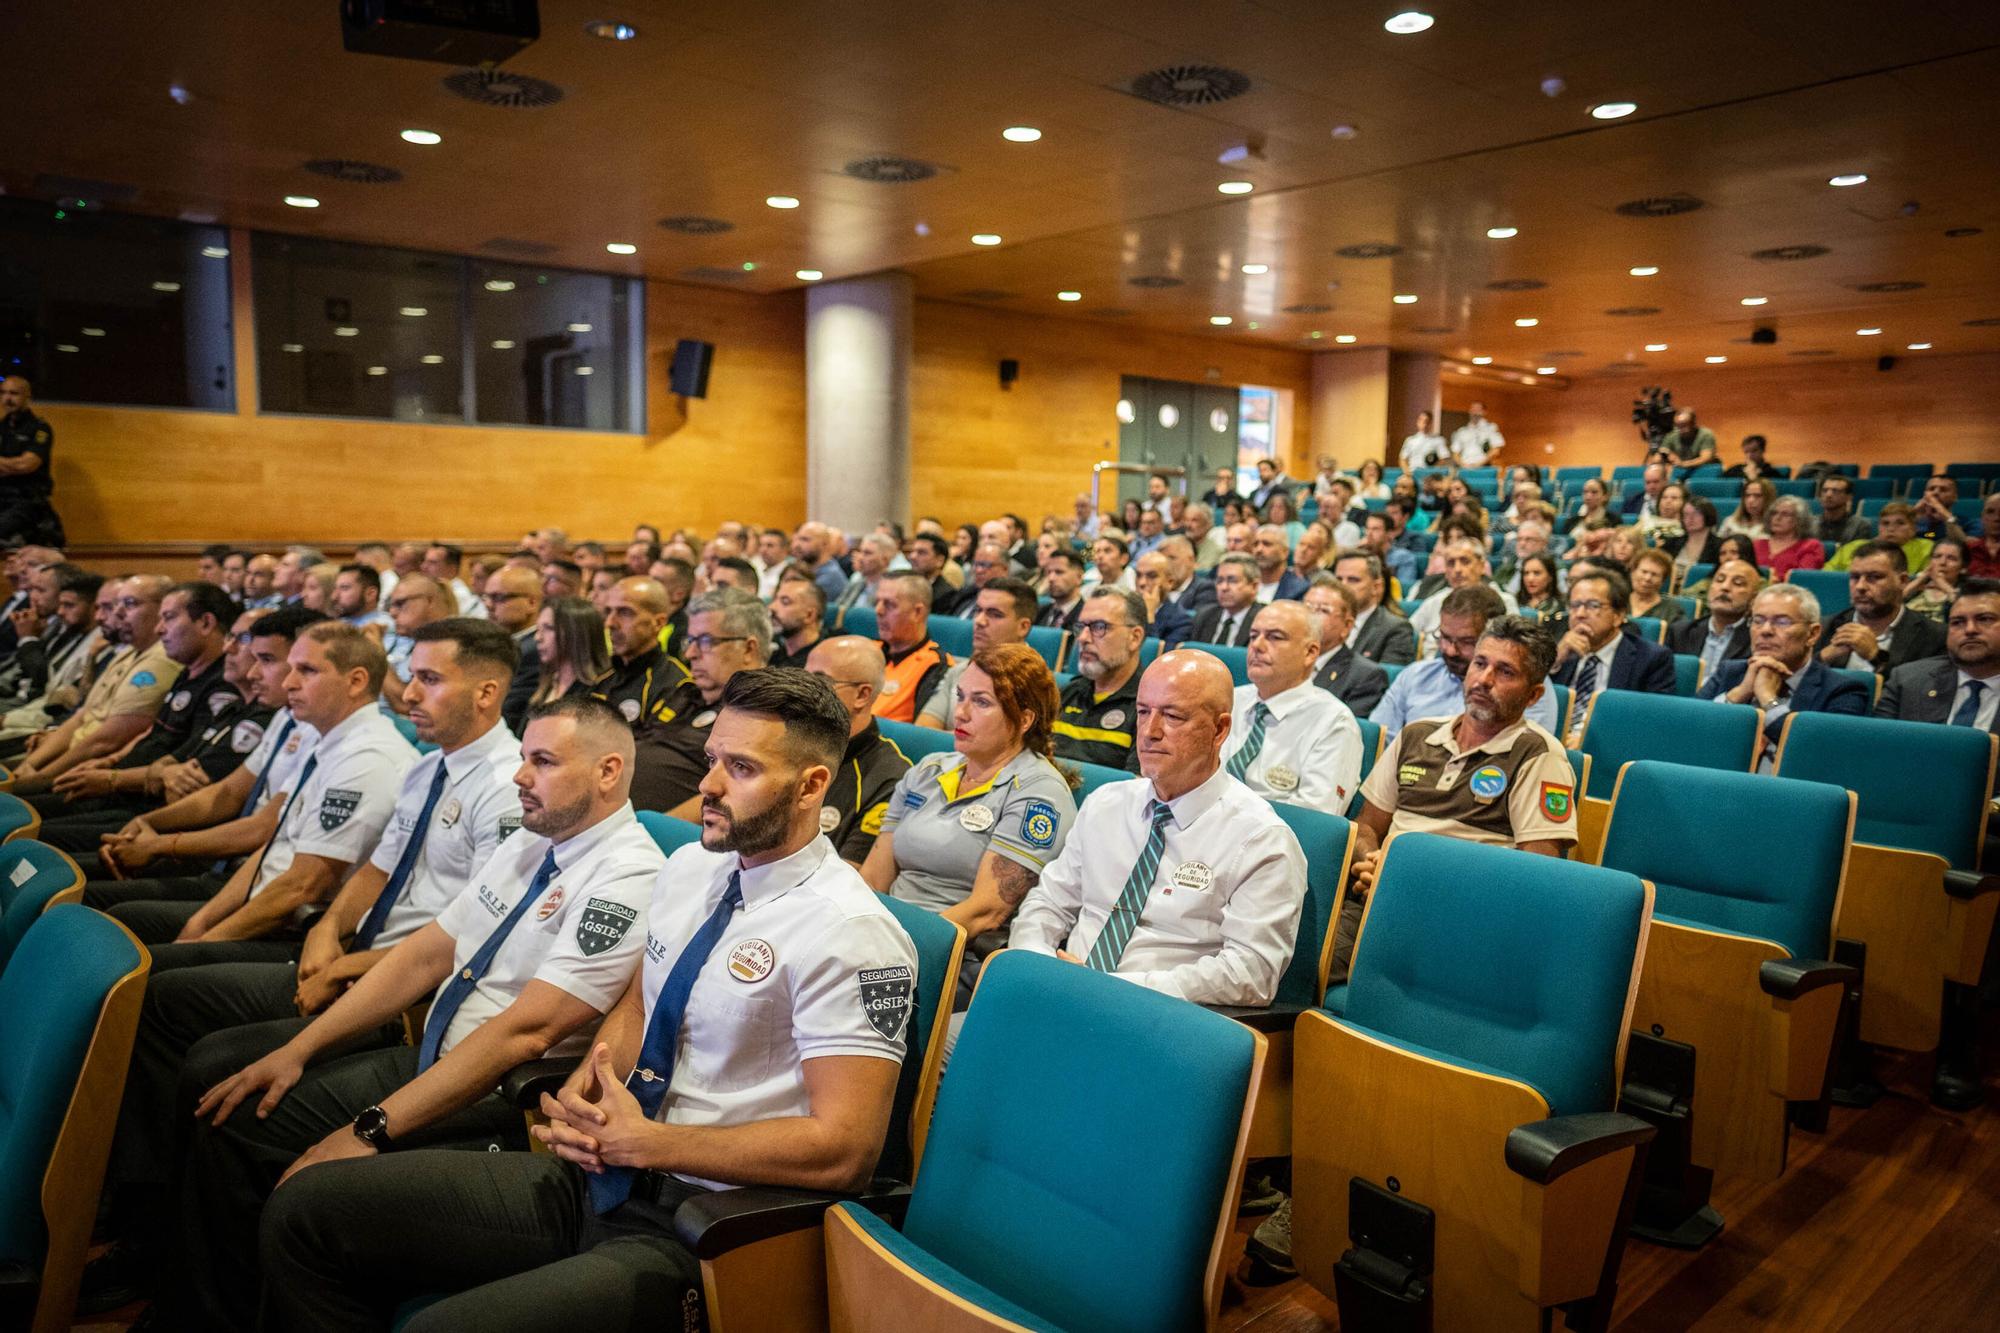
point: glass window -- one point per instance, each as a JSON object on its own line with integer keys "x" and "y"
{"x": 555, "y": 348}
{"x": 102, "y": 308}
{"x": 358, "y": 330}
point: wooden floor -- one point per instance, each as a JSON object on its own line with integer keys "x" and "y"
{"x": 1891, "y": 1219}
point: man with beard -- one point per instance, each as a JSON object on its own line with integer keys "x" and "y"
{"x": 1876, "y": 630}
{"x": 729, "y": 631}
{"x": 540, "y": 943}
{"x": 1435, "y": 687}
{"x": 798, "y": 618}
{"x": 760, "y": 1044}
{"x": 1959, "y": 688}
{"x": 1101, "y": 704}
{"x": 1723, "y": 635}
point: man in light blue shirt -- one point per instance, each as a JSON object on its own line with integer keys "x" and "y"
{"x": 1435, "y": 687}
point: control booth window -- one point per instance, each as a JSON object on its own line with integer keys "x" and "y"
{"x": 555, "y": 348}
{"x": 98, "y": 307}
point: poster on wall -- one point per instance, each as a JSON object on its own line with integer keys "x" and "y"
{"x": 1256, "y": 433}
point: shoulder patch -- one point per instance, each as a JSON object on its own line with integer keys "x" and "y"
{"x": 871, "y": 820}
{"x": 1039, "y": 824}
{"x": 1556, "y": 802}
{"x": 602, "y": 924}
{"x": 337, "y": 806}
{"x": 885, "y": 999}
{"x": 246, "y": 736}
{"x": 508, "y": 825}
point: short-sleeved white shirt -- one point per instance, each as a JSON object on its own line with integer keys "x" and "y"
{"x": 579, "y": 938}
{"x": 346, "y": 800}
{"x": 280, "y": 763}
{"x": 479, "y": 806}
{"x": 1311, "y": 754}
{"x": 811, "y": 965}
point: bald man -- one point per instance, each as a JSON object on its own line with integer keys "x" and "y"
{"x": 123, "y": 699}
{"x": 419, "y": 600}
{"x": 26, "y": 441}
{"x": 512, "y": 599}
{"x": 645, "y": 685}
{"x": 1219, "y": 918}
{"x": 1292, "y": 741}
{"x": 872, "y": 766}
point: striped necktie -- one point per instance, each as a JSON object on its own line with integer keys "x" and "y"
{"x": 407, "y": 862}
{"x": 1586, "y": 686}
{"x": 1124, "y": 918}
{"x": 445, "y": 1007}
{"x": 1253, "y": 742}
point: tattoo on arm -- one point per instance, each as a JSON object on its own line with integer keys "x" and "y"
{"x": 1013, "y": 881}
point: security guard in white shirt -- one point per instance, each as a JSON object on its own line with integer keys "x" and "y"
{"x": 1183, "y": 881}
{"x": 1289, "y": 740}
{"x": 764, "y": 1037}
{"x": 1475, "y": 443}
{"x": 523, "y": 962}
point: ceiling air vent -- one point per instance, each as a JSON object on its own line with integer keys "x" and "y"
{"x": 1516, "y": 285}
{"x": 493, "y": 87}
{"x": 697, "y": 226}
{"x": 1154, "y": 280}
{"x": 1990, "y": 322}
{"x": 1191, "y": 85}
{"x": 1811, "y": 351}
{"x": 1617, "y": 367}
{"x": 1567, "y": 351}
{"x": 1786, "y": 253}
{"x": 1659, "y": 206}
{"x": 1628, "y": 310}
{"x": 354, "y": 173}
{"x": 1307, "y": 309}
{"x": 1960, "y": 233}
{"x": 507, "y": 245}
{"x": 1904, "y": 286}
{"x": 987, "y": 294}
{"x": 890, "y": 170}
{"x": 1369, "y": 250}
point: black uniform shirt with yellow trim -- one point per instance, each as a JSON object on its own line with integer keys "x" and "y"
{"x": 1090, "y": 730}
{"x": 859, "y": 796}
{"x": 1518, "y": 787}
{"x": 222, "y": 745}
{"x": 650, "y": 688}
{"x": 670, "y": 757}
{"x": 189, "y": 707}
{"x": 23, "y": 432}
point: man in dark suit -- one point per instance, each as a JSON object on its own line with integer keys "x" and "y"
{"x": 1380, "y": 633}
{"x": 1782, "y": 675}
{"x": 1875, "y": 630}
{"x": 1062, "y": 583}
{"x": 1340, "y": 671}
{"x": 1186, "y": 588}
{"x": 513, "y": 599}
{"x": 1228, "y": 621}
{"x": 1169, "y": 624}
{"x": 1223, "y": 491}
{"x": 1962, "y": 688}
{"x": 1723, "y": 635}
{"x": 1277, "y": 580}
{"x": 1599, "y": 651}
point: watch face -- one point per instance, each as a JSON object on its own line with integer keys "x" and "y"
{"x": 371, "y": 1123}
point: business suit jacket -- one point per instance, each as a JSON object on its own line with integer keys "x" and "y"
{"x": 527, "y": 675}
{"x": 1354, "y": 680}
{"x": 1816, "y": 689}
{"x": 1054, "y": 616}
{"x": 1387, "y": 638}
{"x": 1635, "y": 665}
{"x": 1206, "y": 628}
{"x": 1690, "y": 635}
{"x": 1200, "y": 595}
{"x": 1922, "y": 691}
{"x": 1291, "y": 587}
{"x": 1916, "y": 638}
{"x": 1171, "y": 625}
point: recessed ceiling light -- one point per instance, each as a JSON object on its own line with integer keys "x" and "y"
{"x": 621, "y": 247}
{"x": 294, "y": 347}
{"x": 611, "y": 30}
{"x": 584, "y": 370}
{"x": 499, "y": 285}
{"x": 1404, "y": 298}
{"x": 1613, "y": 110}
{"x": 431, "y": 359}
{"x": 1407, "y": 22}
{"x": 1526, "y": 322}
{"x": 1463, "y": 370}
{"x": 808, "y": 275}
{"x": 1644, "y": 270}
{"x": 781, "y": 201}
{"x": 1545, "y": 370}
{"x": 1842, "y": 182}
{"x": 986, "y": 238}
{"x": 1502, "y": 233}
{"x": 425, "y": 137}
{"x": 414, "y": 311}
{"x": 1020, "y": 134}
{"x": 1235, "y": 187}
{"x": 503, "y": 344}
{"x": 1069, "y": 296}
{"x": 66, "y": 347}
{"x": 1756, "y": 300}
{"x": 346, "y": 331}
{"x": 1656, "y": 347}
{"x": 1344, "y": 132}
{"x": 166, "y": 286}
{"x": 1715, "y": 360}
{"x": 1482, "y": 360}
{"x": 1256, "y": 270}
{"x": 215, "y": 252}
{"x": 91, "y": 332}
{"x": 378, "y": 370}
{"x": 579, "y": 328}
{"x": 1919, "y": 347}
{"x": 1343, "y": 337}
{"x": 301, "y": 201}
{"x": 1866, "y": 333}
{"x": 1219, "y": 320}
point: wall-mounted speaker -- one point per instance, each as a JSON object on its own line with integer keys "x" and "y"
{"x": 689, "y": 373}
{"x": 1763, "y": 337}
{"x": 1885, "y": 363}
{"x": 1010, "y": 370}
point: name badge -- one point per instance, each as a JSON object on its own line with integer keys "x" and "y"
{"x": 975, "y": 819}
{"x": 1281, "y": 778}
{"x": 1194, "y": 876}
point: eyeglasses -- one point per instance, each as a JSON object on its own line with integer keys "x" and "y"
{"x": 1779, "y": 623}
{"x": 491, "y": 598}
{"x": 1097, "y": 629}
{"x": 1589, "y": 608}
{"x": 708, "y": 643}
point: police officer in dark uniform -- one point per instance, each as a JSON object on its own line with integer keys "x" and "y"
{"x": 872, "y": 765}
{"x": 26, "y": 441}
{"x": 728, "y": 631}
{"x": 646, "y": 686}
{"x": 1100, "y": 706}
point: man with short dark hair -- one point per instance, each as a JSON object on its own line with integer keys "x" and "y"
{"x": 798, "y": 618}
{"x": 1876, "y": 630}
{"x": 1094, "y": 722}
{"x": 1270, "y": 480}
{"x": 1839, "y": 523}
{"x": 1935, "y": 516}
{"x": 357, "y": 599}
{"x": 1062, "y": 577}
{"x": 1228, "y": 621}
{"x": 729, "y": 631}
{"x": 1692, "y": 442}
{"x": 1754, "y": 464}
{"x": 444, "y": 562}
{"x": 646, "y": 686}
{"x": 1962, "y": 688}
{"x": 1339, "y": 670}
{"x": 1003, "y": 612}
{"x": 928, "y": 554}
{"x": 122, "y": 700}
{"x": 1380, "y": 634}
{"x": 1599, "y": 650}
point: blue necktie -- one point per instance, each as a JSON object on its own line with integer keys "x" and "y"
{"x": 407, "y": 862}
{"x": 312, "y": 762}
{"x": 221, "y": 866}
{"x": 445, "y": 1007}
{"x": 655, "y": 1069}
{"x": 1968, "y": 711}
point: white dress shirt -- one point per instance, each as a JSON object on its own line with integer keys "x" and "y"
{"x": 479, "y": 806}
{"x": 1222, "y": 917}
{"x": 1311, "y": 754}
{"x": 1424, "y": 620}
{"x": 1474, "y": 441}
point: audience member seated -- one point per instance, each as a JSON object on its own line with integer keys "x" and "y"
{"x": 969, "y": 831}
{"x": 1531, "y": 537}
{"x": 1982, "y": 550}
{"x": 1700, "y": 537}
{"x": 1754, "y": 463}
{"x": 1227, "y": 622}
{"x": 1270, "y": 549}
{"x": 1664, "y": 525}
{"x": 1646, "y": 500}
{"x": 1753, "y": 510}
{"x": 1097, "y": 706}
{"x": 1288, "y": 739}
{"x": 1723, "y": 635}
{"x": 1435, "y": 687}
{"x": 1782, "y": 674}
{"x": 1165, "y": 621}
{"x": 419, "y": 600}
{"x": 53, "y": 641}
{"x": 1876, "y": 630}
{"x": 1110, "y": 563}
{"x": 1108, "y": 899}
{"x": 857, "y": 799}
{"x": 646, "y": 685}
{"x": 1465, "y": 566}
{"x": 1959, "y": 688}
{"x": 728, "y": 631}
{"x": 1651, "y": 572}
{"x": 1897, "y": 525}
{"x": 1381, "y": 633}
{"x": 1186, "y": 588}
{"x": 1539, "y": 586}
{"x": 1339, "y": 670}
{"x": 1693, "y": 443}
{"x": 914, "y": 662}
{"x": 872, "y": 555}
{"x": 1003, "y": 612}
{"x": 512, "y": 599}
{"x": 1791, "y": 544}
{"x": 1931, "y": 590}
{"x": 1599, "y": 649}
{"x": 1839, "y": 521}
{"x": 1933, "y": 511}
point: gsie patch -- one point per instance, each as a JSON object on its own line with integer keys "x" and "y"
{"x": 338, "y": 806}
{"x": 885, "y": 998}
{"x": 602, "y": 925}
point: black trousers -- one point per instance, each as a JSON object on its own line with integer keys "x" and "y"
{"x": 212, "y": 1277}
{"x": 511, "y": 1233}
{"x": 79, "y": 831}
{"x": 104, "y": 895}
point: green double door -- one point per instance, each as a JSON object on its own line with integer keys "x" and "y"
{"x": 1174, "y": 424}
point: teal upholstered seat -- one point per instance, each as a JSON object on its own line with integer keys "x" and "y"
{"x": 16, "y": 815}
{"x": 1095, "y": 776}
{"x": 953, "y": 635}
{"x": 860, "y": 620}
{"x": 936, "y": 940}
{"x": 1500, "y": 960}
{"x": 1049, "y": 1192}
{"x": 915, "y": 742}
{"x": 1919, "y": 786}
{"x": 1325, "y": 839}
{"x": 669, "y": 833}
{"x": 31, "y": 873}
{"x": 1236, "y": 659}
{"x": 1627, "y": 725}
{"x": 1371, "y": 748}
{"x": 1650, "y": 628}
{"x": 1048, "y": 641}
{"x": 1701, "y": 836}
{"x": 1828, "y": 585}
{"x": 1687, "y": 674}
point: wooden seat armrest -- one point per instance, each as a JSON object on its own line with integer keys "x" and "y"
{"x": 1789, "y": 978}
{"x": 717, "y": 1222}
{"x": 1546, "y": 1150}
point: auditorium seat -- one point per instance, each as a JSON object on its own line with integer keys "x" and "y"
{"x": 1048, "y": 1195}
{"x": 1650, "y": 628}
{"x": 1565, "y": 702}
{"x": 1907, "y": 477}
{"x": 72, "y": 993}
{"x": 1687, "y": 674}
{"x": 952, "y": 635}
{"x": 1737, "y": 997}
{"x": 1873, "y": 488}
{"x": 1236, "y": 659}
{"x": 1095, "y": 776}
{"x": 1866, "y": 676}
{"x": 1696, "y": 574}
{"x": 1371, "y": 750}
{"x": 1915, "y": 899}
{"x": 1453, "y": 1133}
{"x": 1050, "y": 642}
{"x": 18, "y": 819}
{"x": 33, "y": 877}
{"x": 1973, "y": 477}
{"x": 668, "y": 833}
{"x": 914, "y": 741}
{"x": 861, "y": 620}
{"x": 1828, "y": 585}
{"x": 1624, "y": 725}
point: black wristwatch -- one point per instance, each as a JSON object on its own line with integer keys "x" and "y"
{"x": 372, "y": 1128}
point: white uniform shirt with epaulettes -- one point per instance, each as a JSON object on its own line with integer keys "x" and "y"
{"x": 1222, "y": 917}
{"x": 812, "y": 965}
{"x": 280, "y": 765}
{"x": 480, "y": 806}
{"x": 579, "y": 938}
{"x": 1311, "y": 754}
{"x": 347, "y": 799}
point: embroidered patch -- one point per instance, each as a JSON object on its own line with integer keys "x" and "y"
{"x": 292, "y": 745}
{"x": 1194, "y": 876}
{"x": 629, "y": 709}
{"x": 550, "y": 905}
{"x": 1112, "y": 718}
{"x": 508, "y": 824}
{"x": 1039, "y": 824}
{"x": 885, "y": 999}
{"x": 705, "y": 718}
{"x": 145, "y": 678}
{"x": 218, "y": 702}
{"x": 1488, "y": 782}
{"x": 1556, "y": 802}
{"x": 871, "y": 822}
{"x": 913, "y": 800}
{"x": 1409, "y": 774}
{"x": 337, "y": 806}
{"x": 245, "y": 737}
{"x": 1281, "y": 778}
{"x": 179, "y": 700}
{"x": 448, "y": 813}
{"x": 602, "y": 925}
{"x": 752, "y": 960}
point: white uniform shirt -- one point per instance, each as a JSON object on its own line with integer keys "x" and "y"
{"x": 280, "y": 765}
{"x": 579, "y": 938}
{"x": 1472, "y": 442}
{"x": 480, "y": 805}
{"x": 1311, "y": 754}
{"x": 347, "y": 800}
{"x": 1222, "y": 919}
{"x": 1419, "y": 450}
{"x": 811, "y": 965}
